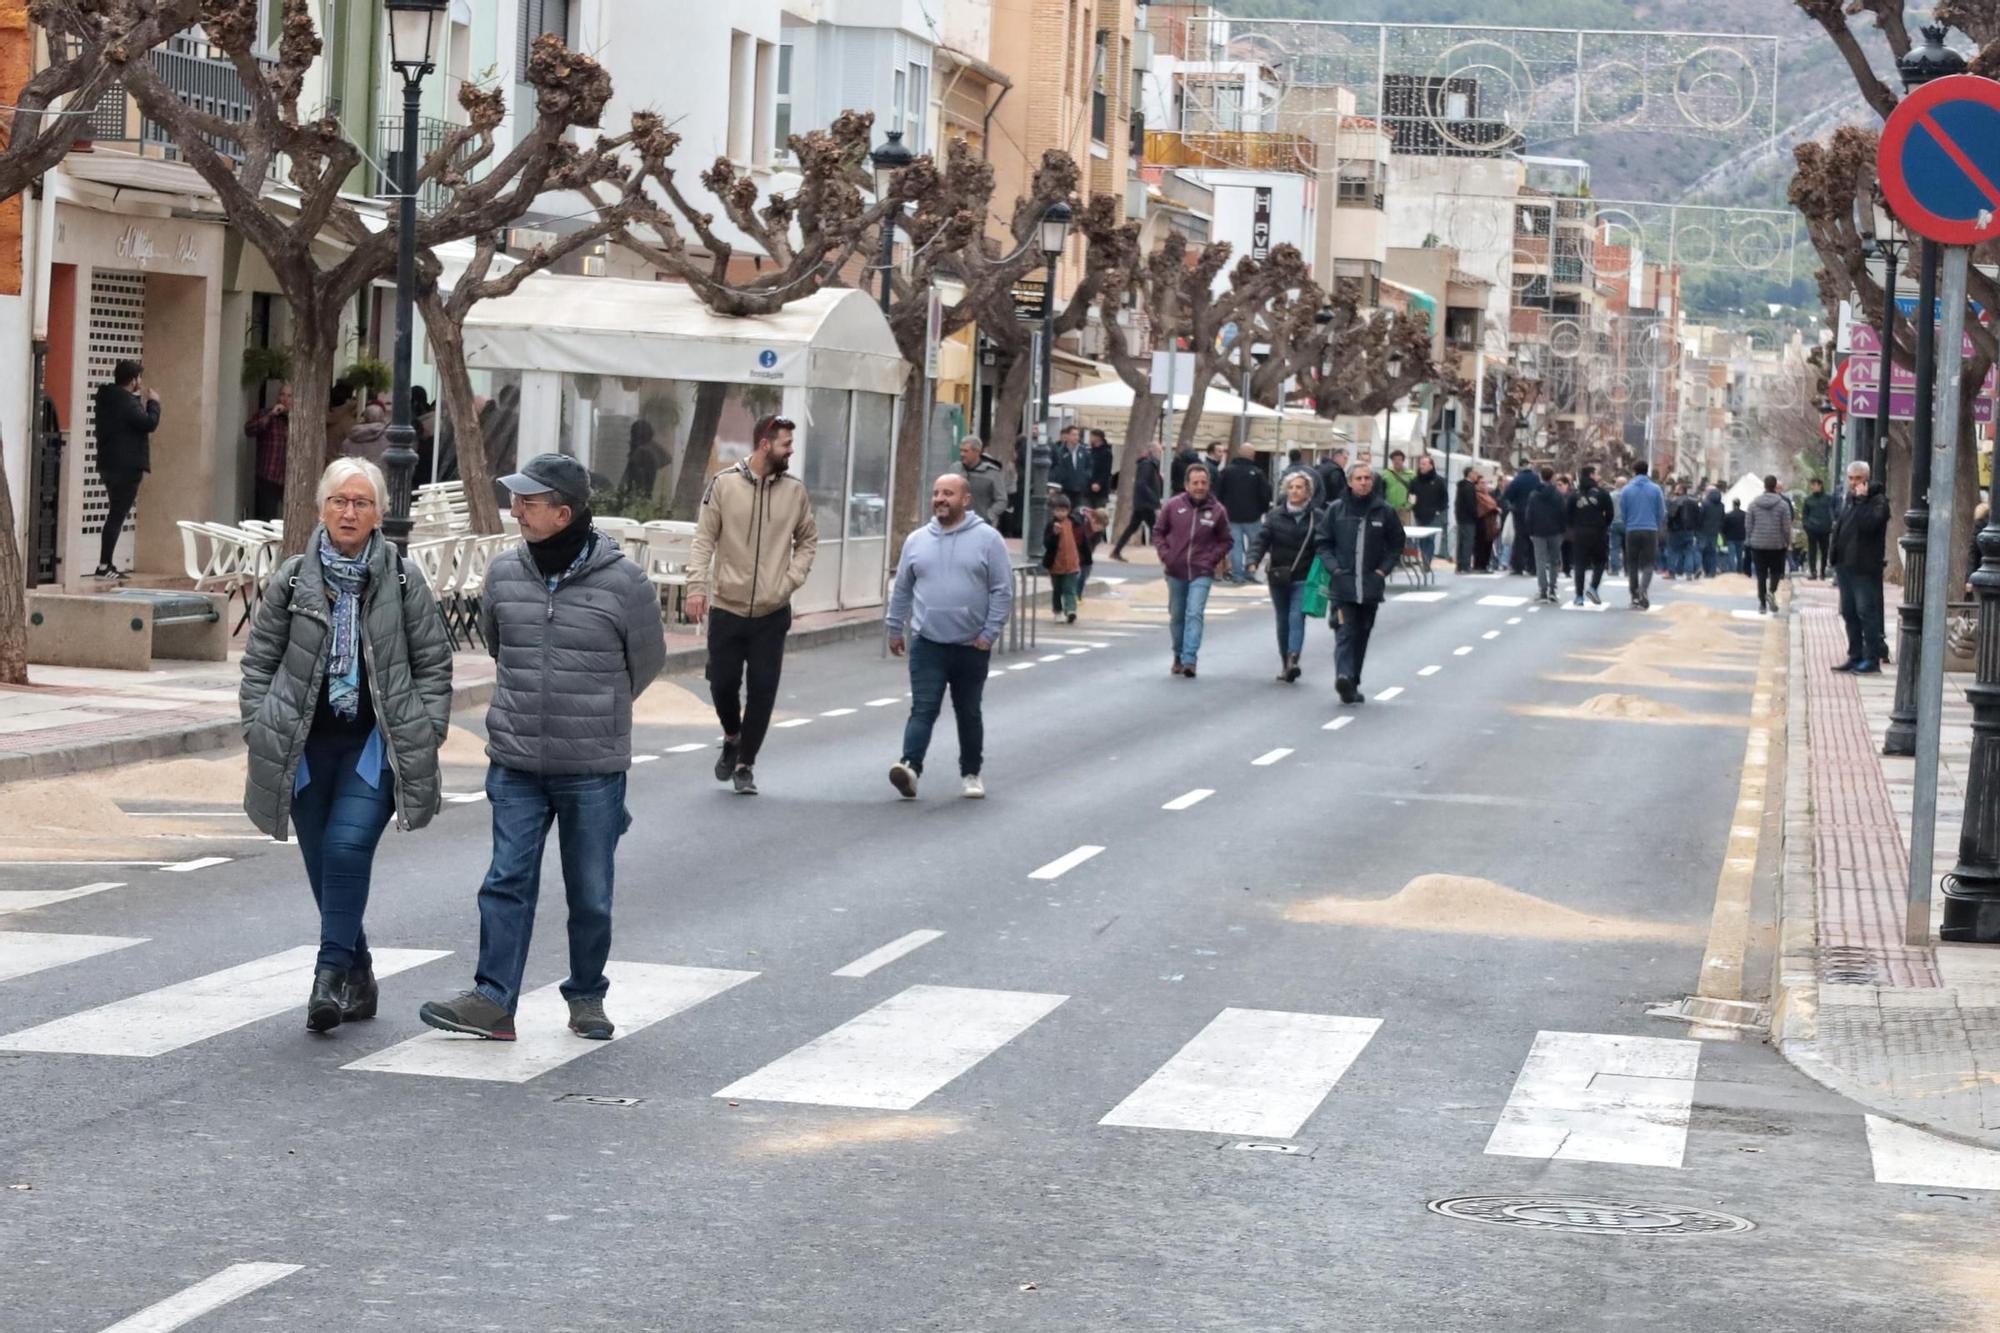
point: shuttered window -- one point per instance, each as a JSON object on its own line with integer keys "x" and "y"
{"x": 538, "y": 17}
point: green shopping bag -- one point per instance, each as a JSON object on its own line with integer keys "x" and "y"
{"x": 1317, "y": 586}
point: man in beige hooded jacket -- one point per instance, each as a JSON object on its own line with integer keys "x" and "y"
{"x": 753, "y": 548}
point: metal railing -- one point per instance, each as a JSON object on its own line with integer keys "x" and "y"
{"x": 195, "y": 72}
{"x": 433, "y": 194}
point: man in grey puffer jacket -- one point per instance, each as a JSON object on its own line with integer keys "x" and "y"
{"x": 576, "y": 630}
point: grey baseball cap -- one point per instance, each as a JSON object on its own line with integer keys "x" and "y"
{"x": 545, "y": 473}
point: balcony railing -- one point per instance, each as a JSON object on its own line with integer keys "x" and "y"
{"x": 1241, "y": 150}
{"x": 200, "y": 76}
{"x": 431, "y": 195}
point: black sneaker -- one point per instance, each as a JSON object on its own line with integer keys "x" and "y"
{"x": 1345, "y": 688}
{"x": 745, "y": 783}
{"x": 471, "y": 1013}
{"x": 587, "y": 1020}
{"x": 725, "y": 764}
{"x": 1595, "y": 600}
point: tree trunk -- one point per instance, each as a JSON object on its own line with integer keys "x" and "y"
{"x": 313, "y": 350}
{"x": 13, "y": 587}
{"x": 1191, "y": 423}
{"x": 1140, "y": 424}
{"x": 909, "y": 488}
{"x": 1010, "y": 406}
{"x": 709, "y": 397}
{"x": 447, "y": 337}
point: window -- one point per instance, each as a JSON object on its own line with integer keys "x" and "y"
{"x": 781, "y": 119}
{"x": 916, "y": 108}
{"x": 896, "y": 102}
{"x": 538, "y": 17}
{"x": 1361, "y": 185}
{"x": 1099, "y": 99}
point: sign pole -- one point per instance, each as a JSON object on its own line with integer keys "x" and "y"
{"x": 1937, "y": 591}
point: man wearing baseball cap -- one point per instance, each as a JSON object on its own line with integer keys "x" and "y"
{"x": 575, "y": 630}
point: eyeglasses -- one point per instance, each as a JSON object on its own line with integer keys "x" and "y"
{"x": 347, "y": 504}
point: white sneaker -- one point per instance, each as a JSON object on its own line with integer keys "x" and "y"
{"x": 904, "y": 779}
{"x": 971, "y": 788}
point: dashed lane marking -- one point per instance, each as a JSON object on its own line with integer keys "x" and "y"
{"x": 839, "y": 712}
{"x": 1431, "y": 670}
{"x": 689, "y": 748}
{"x": 1022, "y": 666}
{"x": 1392, "y": 692}
{"x": 644, "y": 758}
{"x": 876, "y": 959}
{"x": 211, "y": 1293}
{"x": 1420, "y": 597}
{"x": 1337, "y": 724}
{"x": 1065, "y": 863}
{"x": 1501, "y": 599}
{"x": 199, "y": 863}
{"x": 794, "y": 722}
{"x": 1189, "y": 799}
{"x": 1491, "y": 634}
{"x": 883, "y": 703}
{"x": 1462, "y": 650}
{"x": 1513, "y": 620}
{"x": 1270, "y": 757}
{"x": 1050, "y": 657}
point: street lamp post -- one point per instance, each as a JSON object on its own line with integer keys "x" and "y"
{"x": 1054, "y": 234}
{"x": 1932, "y": 60}
{"x": 888, "y": 159}
{"x": 413, "y": 27}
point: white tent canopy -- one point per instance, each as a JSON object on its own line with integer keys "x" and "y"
{"x": 1118, "y": 394}
{"x": 1749, "y": 488}
{"x": 836, "y": 338}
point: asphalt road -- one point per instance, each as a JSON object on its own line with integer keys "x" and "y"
{"x": 944, "y": 1163}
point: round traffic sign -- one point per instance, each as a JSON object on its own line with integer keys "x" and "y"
{"x": 1939, "y": 160}
{"x": 1829, "y": 427}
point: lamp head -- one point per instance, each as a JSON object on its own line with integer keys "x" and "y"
{"x": 1055, "y": 228}
{"x": 1931, "y": 59}
{"x": 413, "y": 34}
{"x": 888, "y": 158}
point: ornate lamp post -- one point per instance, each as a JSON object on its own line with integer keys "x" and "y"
{"x": 413, "y": 31}
{"x": 1932, "y": 60}
{"x": 888, "y": 159}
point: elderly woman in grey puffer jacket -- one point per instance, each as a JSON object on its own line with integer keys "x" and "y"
{"x": 346, "y": 698}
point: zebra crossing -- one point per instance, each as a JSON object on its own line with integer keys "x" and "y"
{"x": 1610, "y": 1099}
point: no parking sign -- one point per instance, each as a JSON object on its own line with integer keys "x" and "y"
{"x": 1939, "y": 160}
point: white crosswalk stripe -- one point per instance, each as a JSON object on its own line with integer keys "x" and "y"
{"x": 900, "y": 1052}
{"x": 174, "y": 1016}
{"x": 210, "y": 1294}
{"x": 1904, "y": 1155}
{"x": 1250, "y": 1071}
{"x": 1593, "y": 1097}
{"x": 23, "y": 952}
{"x": 21, "y": 900}
{"x": 642, "y": 994}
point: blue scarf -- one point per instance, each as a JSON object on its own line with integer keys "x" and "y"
{"x": 345, "y": 577}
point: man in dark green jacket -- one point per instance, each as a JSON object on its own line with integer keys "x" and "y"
{"x": 1816, "y": 517}
{"x": 1360, "y": 545}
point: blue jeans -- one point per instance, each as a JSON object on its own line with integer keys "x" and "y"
{"x": 338, "y": 818}
{"x": 1710, "y": 556}
{"x": 1682, "y": 558}
{"x": 1735, "y": 557}
{"x": 1617, "y": 548}
{"x": 1427, "y": 548}
{"x": 1239, "y": 548}
{"x": 1187, "y": 603}
{"x": 1861, "y": 614}
{"x": 1288, "y": 601}
{"x": 589, "y": 810}
{"x": 935, "y": 667}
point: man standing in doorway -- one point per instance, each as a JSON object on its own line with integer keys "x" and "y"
{"x": 1360, "y": 545}
{"x": 271, "y": 431}
{"x": 984, "y": 478}
{"x": 954, "y": 588}
{"x": 1191, "y": 538}
{"x": 127, "y": 415}
{"x": 1858, "y": 550}
{"x": 1145, "y": 498}
{"x": 753, "y": 548}
{"x": 1643, "y": 511}
{"x": 1245, "y": 493}
{"x": 574, "y": 628}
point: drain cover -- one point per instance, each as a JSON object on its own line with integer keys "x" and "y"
{"x": 587, "y": 1099}
{"x": 1598, "y": 1217}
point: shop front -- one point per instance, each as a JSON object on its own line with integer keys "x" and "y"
{"x": 655, "y": 394}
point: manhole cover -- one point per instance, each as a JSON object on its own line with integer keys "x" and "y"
{"x": 1598, "y": 1217}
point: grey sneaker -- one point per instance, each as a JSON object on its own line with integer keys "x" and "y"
{"x": 587, "y": 1020}
{"x": 725, "y": 762}
{"x": 746, "y": 782}
{"x": 469, "y": 1012}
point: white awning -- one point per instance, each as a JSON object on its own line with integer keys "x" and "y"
{"x": 1118, "y": 394}
{"x": 835, "y": 338}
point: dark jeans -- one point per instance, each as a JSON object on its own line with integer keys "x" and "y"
{"x": 122, "y": 491}
{"x": 1642, "y": 553}
{"x": 1141, "y": 518}
{"x": 734, "y": 644}
{"x": 1288, "y": 603}
{"x": 1548, "y": 564}
{"x": 1467, "y": 542}
{"x": 270, "y": 500}
{"x": 588, "y": 810}
{"x": 338, "y": 818}
{"x": 1770, "y": 567}
{"x": 1816, "y": 544}
{"x": 934, "y": 668}
{"x": 1592, "y": 553}
{"x": 1356, "y": 621}
{"x": 1861, "y": 612}
{"x": 1710, "y": 555}
{"x": 1521, "y": 555}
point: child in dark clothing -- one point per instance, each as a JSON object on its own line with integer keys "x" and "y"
{"x": 1066, "y": 555}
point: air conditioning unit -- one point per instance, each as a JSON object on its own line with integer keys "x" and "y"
{"x": 1142, "y": 50}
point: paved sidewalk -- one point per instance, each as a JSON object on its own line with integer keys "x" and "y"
{"x": 1911, "y": 1032}
{"x": 69, "y": 719}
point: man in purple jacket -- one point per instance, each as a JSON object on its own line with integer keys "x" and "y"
{"x": 1192, "y": 537}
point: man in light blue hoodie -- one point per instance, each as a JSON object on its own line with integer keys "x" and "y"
{"x": 954, "y": 588}
{"x": 1642, "y": 508}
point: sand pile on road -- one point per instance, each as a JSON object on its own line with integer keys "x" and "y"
{"x": 1630, "y": 706}
{"x": 1465, "y": 905}
{"x": 462, "y": 746}
{"x": 665, "y": 704}
{"x": 78, "y": 814}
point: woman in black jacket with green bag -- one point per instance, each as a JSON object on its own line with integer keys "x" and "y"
{"x": 1288, "y": 537}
